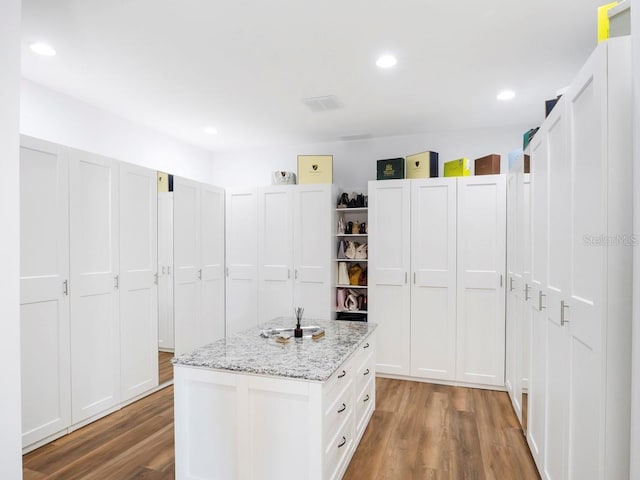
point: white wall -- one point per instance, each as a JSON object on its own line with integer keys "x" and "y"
{"x": 635, "y": 379}
{"x": 65, "y": 120}
{"x": 10, "y": 417}
{"x": 354, "y": 162}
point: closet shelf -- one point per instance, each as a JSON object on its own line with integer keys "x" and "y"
{"x": 352, "y": 260}
{"x": 339, "y": 285}
{"x": 352, "y": 210}
{"x": 351, "y": 234}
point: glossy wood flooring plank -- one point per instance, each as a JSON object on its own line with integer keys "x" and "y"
{"x": 165, "y": 368}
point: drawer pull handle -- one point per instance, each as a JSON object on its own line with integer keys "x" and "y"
{"x": 344, "y": 407}
{"x": 366, "y": 399}
{"x": 342, "y": 374}
{"x": 366, "y": 345}
{"x": 342, "y": 443}
{"x": 366, "y": 372}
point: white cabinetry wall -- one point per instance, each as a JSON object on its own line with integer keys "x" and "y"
{"x": 89, "y": 295}
{"x": 580, "y": 351}
{"x": 436, "y": 268}
{"x": 44, "y": 287}
{"x": 198, "y": 264}
{"x": 295, "y": 251}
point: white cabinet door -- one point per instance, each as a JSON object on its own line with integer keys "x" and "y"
{"x": 187, "y": 270}
{"x": 44, "y": 303}
{"x": 513, "y": 347}
{"x": 389, "y": 264}
{"x": 275, "y": 252}
{"x": 524, "y": 235}
{"x": 433, "y": 277}
{"x": 481, "y": 269}
{"x": 95, "y": 332}
{"x": 165, "y": 271}
{"x": 313, "y": 239}
{"x": 138, "y": 280}
{"x": 559, "y": 232}
{"x": 212, "y": 263}
{"x": 241, "y": 259}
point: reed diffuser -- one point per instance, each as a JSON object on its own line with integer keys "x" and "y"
{"x": 298, "y": 330}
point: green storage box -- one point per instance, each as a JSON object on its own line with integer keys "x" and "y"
{"x": 390, "y": 169}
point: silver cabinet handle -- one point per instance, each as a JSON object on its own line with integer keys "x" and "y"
{"x": 526, "y": 292}
{"x": 116, "y": 281}
{"x": 65, "y": 287}
{"x": 288, "y": 273}
{"x": 155, "y": 278}
{"x": 405, "y": 277}
{"x": 295, "y": 274}
{"x": 200, "y": 274}
{"x": 414, "y": 278}
{"x": 510, "y": 284}
{"x": 563, "y": 320}
{"x": 163, "y": 269}
{"x": 226, "y": 271}
{"x": 168, "y": 270}
{"x": 540, "y": 306}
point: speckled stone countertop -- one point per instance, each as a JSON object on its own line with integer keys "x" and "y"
{"x": 301, "y": 358}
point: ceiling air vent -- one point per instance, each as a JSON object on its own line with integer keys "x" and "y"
{"x": 322, "y": 104}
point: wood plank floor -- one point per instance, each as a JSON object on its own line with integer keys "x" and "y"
{"x": 427, "y": 431}
{"x": 165, "y": 369}
{"x": 419, "y": 431}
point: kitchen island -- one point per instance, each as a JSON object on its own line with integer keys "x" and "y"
{"x": 250, "y": 407}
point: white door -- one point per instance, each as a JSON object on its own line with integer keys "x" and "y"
{"x": 95, "y": 327}
{"x": 559, "y": 234}
{"x": 165, "y": 271}
{"x": 389, "y": 264}
{"x": 513, "y": 346}
{"x": 275, "y": 252}
{"x": 187, "y": 269}
{"x": 138, "y": 280}
{"x": 536, "y": 412}
{"x": 481, "y": 270}
{"x": 585, "y": 295}
{"x": 524, "y": 236}
{"x": 433, "y": 278}
{"x": 313, "y": 241}
{"x": 44, "y": 300}
{"x": 241, "y": 259}
{"x": 212, "y": 263}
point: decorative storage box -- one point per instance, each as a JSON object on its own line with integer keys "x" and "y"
{"x": 457, "y": 168}
{"x": 487, "y": 165}
{"x": 315, "y": 169}
{"x": 391, "y": 168}
{"x": 422, "y": 165}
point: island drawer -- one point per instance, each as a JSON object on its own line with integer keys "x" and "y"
{"x": 365, "y": 403}
{"x": 340, "y": 378}
{"x": 337, "y": 411}
{"x": 365, "y": 371}
{"x": 338, "y": 450}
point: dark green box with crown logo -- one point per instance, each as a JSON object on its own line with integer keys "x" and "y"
{"x": 390, "y": 169}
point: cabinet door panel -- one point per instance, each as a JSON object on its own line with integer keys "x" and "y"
{"x": 138, "y": 288}
{"x": 389, "y": 257}
{"x": 275, "y": 252}
{"x": 433, "y": 288}
{"x": 44, "y": 307}
{"x": 241, "y": 259}
{"x": 95, "y": 331}
{"x": 313, "y": 229}
{"x": 212, "y": 260}
{"x": 187, "y": 271}
{"x": 481, "y": 269}
{"x": 165, "y": 271}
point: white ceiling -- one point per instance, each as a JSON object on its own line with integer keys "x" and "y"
{"x": 244, "y": 66}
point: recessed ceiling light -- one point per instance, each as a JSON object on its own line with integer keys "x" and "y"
{"x": 506, "y": 95}
{"x": 211, "y": 131}
{"x": 386, "y": 61}
{"x": 42, "y": 49}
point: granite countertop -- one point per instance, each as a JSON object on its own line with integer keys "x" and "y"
{"x": 302, "y": 358}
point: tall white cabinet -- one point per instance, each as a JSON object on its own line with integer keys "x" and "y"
{"x": 580, "y": 351}
{"x": 437, "y": 259}
{"x": 95, "y": 280}
{"x": 198, "y": 264}
{"x": 44, "y": 289}
{"x": 138, "y": 280}
{"x": 241, "y": 259}
{"x": 295, "y": 251}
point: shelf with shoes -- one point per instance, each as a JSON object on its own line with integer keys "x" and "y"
{"x": 351, "y": 257}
